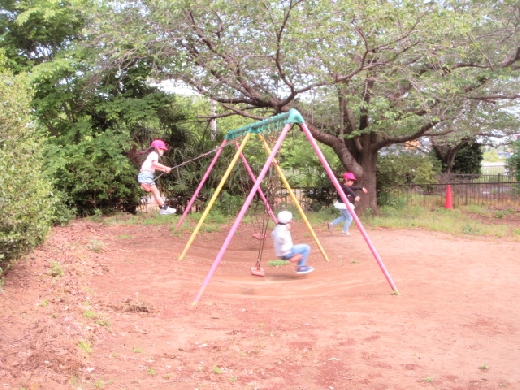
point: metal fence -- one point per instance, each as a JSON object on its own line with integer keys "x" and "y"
{"x": 499, "y": 190}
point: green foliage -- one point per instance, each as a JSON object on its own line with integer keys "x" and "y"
{"x": 513, "y": 162}
{"x": 33, "y": 31}
{"x": 25, "y": 193}
{"x": 491, "y": 155}
{"x": 469, "y": 159}
{"x": 395, "y": 170}
{"x": 93, "y": 171}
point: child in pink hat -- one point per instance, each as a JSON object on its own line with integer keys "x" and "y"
{"x": 348, "y": 188}
{"x": 146, "y": 175}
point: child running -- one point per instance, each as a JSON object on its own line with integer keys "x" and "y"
{"x": 284, "y": 247}
{"x": 146, "y": 175}
{"x": 348, "y": 188}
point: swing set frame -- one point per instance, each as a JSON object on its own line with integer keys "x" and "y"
{"x": 287, "y": 119}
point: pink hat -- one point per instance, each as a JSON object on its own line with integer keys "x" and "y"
{"x": 349, "y": 176}
{"x": 159, "y": 144}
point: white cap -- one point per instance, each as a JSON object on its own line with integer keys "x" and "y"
{"x": 284, "y": 216}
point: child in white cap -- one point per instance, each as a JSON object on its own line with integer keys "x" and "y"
{"x": 284, "y": 247}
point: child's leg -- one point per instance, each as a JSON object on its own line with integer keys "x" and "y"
{"x": 340, "y": 219}
{"x": 348, "y": 220}
{"x": 155, "y": 192}
{"x": 301, "y": 249}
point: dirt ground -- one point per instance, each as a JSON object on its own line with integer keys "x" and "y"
{"x": 111, "y": 306}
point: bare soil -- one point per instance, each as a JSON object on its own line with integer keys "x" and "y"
{"x": 112, "y": 307}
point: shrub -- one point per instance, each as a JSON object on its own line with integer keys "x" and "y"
{"x": 92, "y": 173}
{"x": 26, "y": 197}
{"x": 404, "y": 168}
{"x": 469, "y": 159}
{"x": 513, "y": 162}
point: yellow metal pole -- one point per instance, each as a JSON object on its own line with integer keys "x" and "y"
{"x": 215, "y": 195}
{"x": 293, "y": 198}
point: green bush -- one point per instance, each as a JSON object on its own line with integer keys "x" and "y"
{"x": 26, "y": 197}
{"x": 405, "y": 168}
{"x": 92, "y": 173}
{"x": 513, "y": 162}
{"x": 469, "y": 159}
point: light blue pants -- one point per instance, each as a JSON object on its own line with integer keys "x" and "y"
{"x": 345, "y": 216}
{"x": 300, "y": 249}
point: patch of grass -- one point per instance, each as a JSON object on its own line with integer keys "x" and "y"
{"x": 210, "y": 228}
{"x": 99, "y": 319}
{"x": 277, "y": 263}
{"x": 121, "y": 219}
{"x": 96, "y": 245}
{"x": 428, "y": 379}
{"x": 217, "y": 370}
{"x": 85, "y": 346}
{"x": 44, "y": 303}
{"x": 138, "y": 350}
{"x": 152, "y": 372}
{"x": 56, "y": 270}
{"x": 483, "y": 367}
{"x": 457, "y": 221}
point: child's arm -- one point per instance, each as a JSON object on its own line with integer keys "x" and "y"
{"x": 359, "y": 188}
{"x": 161, "y": 167}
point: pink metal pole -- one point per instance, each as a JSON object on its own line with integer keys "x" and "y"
{"x": 242, "y": 212}
{"x": 350, "y": 209}
{"x": 248, "y": 168}
{"x": 204, "y": 178}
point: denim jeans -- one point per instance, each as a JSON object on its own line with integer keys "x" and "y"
{"x": 345, "y": 216}
{"x": 300, "y": 249}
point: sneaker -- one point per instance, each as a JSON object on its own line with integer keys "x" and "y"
{"x": 329, "y": 226}
{"x": 346, "y": 233}
{"x": 168, "y": 211}
{"x": 304, "y": 270}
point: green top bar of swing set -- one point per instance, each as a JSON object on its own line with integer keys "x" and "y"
{"x": 293, "y": 116}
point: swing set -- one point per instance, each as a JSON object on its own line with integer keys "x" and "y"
{"x": 281, "y": 123}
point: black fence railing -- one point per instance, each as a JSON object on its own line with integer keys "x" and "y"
{"x": 499, "y": 190}
{"x": 490, "y": 190}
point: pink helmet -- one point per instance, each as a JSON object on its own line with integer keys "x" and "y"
{"x": 159, "y": 144}
{"x": 349, "y": 176}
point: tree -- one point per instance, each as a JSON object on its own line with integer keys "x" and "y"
{"x": 92, "y": 121}
{"x": 482, "y": 122}
{"x": 364, "y": 75}
{"x": 33, "y": 32}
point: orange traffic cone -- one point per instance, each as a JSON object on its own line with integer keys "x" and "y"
{"x": 448, "y": 204}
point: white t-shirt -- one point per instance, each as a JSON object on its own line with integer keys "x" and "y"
{"x": 282, "y": 240}
{"x": 148, "y": 164}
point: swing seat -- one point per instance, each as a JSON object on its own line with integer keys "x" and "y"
{"x": 257, "y": 271}
{"x": 259, "y": 236}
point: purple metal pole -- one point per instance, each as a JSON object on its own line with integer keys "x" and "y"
{"x": 204, "y": 178}
{"x": 242, "y": 212}
{"x": 248, "y": 168}
{"x": 350, "y": 209}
